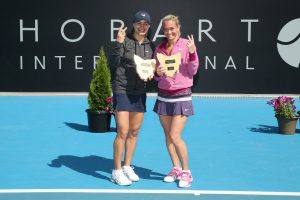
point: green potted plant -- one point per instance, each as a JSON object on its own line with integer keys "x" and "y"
{"x": 100, "y": 97}
{"x": 285, "y": 112}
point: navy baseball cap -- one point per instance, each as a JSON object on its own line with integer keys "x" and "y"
{"x": 141, "y": 15}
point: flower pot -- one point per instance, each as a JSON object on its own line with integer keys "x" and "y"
{"x": 287, "y": 125}
{"x": 98, "y": 122}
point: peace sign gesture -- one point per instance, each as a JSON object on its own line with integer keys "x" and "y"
{"x": 191, "y": 44}
{"x": 121, "y": 34}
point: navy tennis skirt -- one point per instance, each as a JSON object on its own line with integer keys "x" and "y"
{"x": 130, "y": 103}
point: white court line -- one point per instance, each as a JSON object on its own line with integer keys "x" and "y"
{"x": 123, "y": 191}
{"x": 43, "y": 93}
{"x": 211, "y": 95}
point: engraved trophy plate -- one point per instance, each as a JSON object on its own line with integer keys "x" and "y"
{"x": 171, "y": 63}
{"x": 144, "y": 68}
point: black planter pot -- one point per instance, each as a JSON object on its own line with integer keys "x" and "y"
{"x": 99, "y": 122}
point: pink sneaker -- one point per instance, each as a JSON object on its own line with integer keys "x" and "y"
{"x": 185, "y": 179}
{"x": 173, "y": 175}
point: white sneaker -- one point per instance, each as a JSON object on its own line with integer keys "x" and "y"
{"x": 173, "y": 175}
{"x": 186, "y": 179}
{"x": 130, "y": 174}
{"x": 119, "y": 178}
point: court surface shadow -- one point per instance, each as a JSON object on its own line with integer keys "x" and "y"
{"x": 268, "y": 129}
{"x": 93, "y": 166}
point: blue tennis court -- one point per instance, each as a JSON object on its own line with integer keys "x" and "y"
{"x": 234, "y": 149}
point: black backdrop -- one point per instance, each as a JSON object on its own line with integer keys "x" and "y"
{"x": 266, "y": 72}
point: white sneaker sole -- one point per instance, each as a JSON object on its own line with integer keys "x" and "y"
{"x": 134, "y": 180}
{"x": 124, "y": 184}
{"x": 171, "y": 181}
{"x": 186, "y": 186}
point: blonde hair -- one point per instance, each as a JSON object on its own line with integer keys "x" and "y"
{"x": 173, "y": 18}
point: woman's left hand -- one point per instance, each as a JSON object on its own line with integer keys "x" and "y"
{"x": 191, "y": 44}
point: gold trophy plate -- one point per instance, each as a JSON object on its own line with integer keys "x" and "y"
{"x": 171, "y": 63}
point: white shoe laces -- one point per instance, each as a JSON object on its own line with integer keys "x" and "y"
{"x": 129, "y": 171}
{"x": 120, "y": 178}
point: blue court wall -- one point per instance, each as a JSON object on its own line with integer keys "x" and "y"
{"x": 244, "y": 46}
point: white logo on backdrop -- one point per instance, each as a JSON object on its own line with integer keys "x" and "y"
{"x": 288, "y": 43}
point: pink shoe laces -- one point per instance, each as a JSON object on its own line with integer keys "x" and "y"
{"x": 175, "y": 173}
{"x": 186, "y": 176}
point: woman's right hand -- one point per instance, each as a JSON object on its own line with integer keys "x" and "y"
{"x": 121, "y": 34}
{"x": 160, "y": 70}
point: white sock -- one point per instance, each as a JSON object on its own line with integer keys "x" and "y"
{"x": 117, "y": 171}
{"x": 126, "y": 167}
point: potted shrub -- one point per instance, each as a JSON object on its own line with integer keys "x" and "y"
{"x": 100, "y": 97}
{"x": 285, "y": 112}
